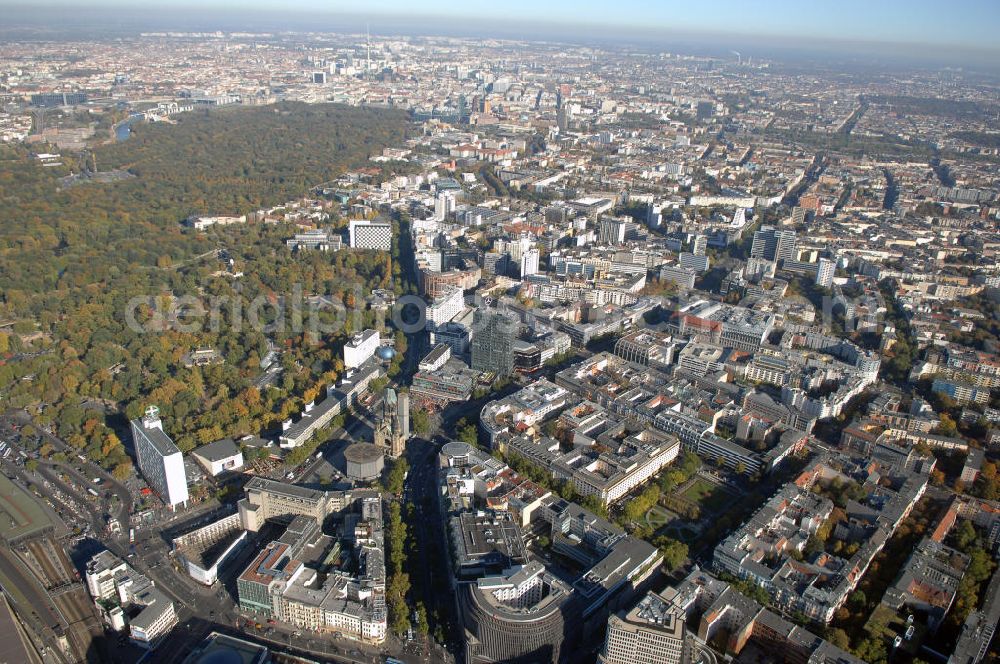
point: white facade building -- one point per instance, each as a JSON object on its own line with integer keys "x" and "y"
{"x": 436, "y": 359}
{"x": 365, "y": 234}
{"x": 518, "y": 587}
{"x": 825, "y": 272}
{"x": 220, "y": 456}
{"x": 444, "y": 204}
{"x": 110, "y": 579}
{"x": 528, "y": 264}
{"x": 154, "y": 621}
{"x": 360, "y": 348}
{"x": 100, "y": 574}
{"x": 202, "y": 551}
{"x": 159, "y": 459}
{"x": 200, "y": 223}
{"x": 445, "y": 307}
{"x": 653, "y": 631}
{"x": 696, "y": 262}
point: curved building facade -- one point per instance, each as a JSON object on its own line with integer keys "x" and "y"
{"x": 517, "y": 617}
{"x": 455, "y": 453}
{"x": 364, "y": 461}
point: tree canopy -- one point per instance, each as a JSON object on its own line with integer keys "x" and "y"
{"x": 73, "y": 257}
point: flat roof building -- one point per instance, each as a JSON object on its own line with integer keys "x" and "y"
{"x": 22, "y": 515}
{"x": 365, "y": 234}
{"x": 618, "y": 464}
{"x": 453, "y": 381}
{"x": 653, "y": 631}
{"x": 360, "y": 348}
{"x": 364, "y": 461}
{"x": 218, "y": 648}
{"x": 272, "y": 565}
{"x": 316, "y": 416}
{"x": 111, "y": 581}
{"x": 205, "y": 549}
{"x": 220, "y": 456}
{"x": 267, "y": 500}
{"x": 298, "y": 579}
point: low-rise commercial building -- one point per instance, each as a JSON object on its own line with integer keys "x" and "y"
{"x": 203, "y": 550}
{"x": 119, "y": 591}
{"x": 453, "y": 381}
{"x": 219, "y": 457}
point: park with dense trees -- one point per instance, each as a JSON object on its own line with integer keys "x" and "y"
{"x": 72, "y": 258}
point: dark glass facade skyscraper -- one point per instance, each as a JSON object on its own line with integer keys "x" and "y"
{"x": 493, "y": 341}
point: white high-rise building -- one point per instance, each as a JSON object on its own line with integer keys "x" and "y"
{"x": 518, "y": 248}
{"x": 445, "y": 307}
{"x": 360, "y": 348}
{"x": 365, "y": 234}
{"x": 824, "y": 273}
{"x": 159, "y": 459}
{"x": 101, "y": 572}
{"x": 444, "y": 205}
{"x": 528, "y": 264}
{"x": 696, "y": 262}
{"x": 612, "y": 230}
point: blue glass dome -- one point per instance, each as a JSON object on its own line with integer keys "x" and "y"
{"x": 386, "y": 353}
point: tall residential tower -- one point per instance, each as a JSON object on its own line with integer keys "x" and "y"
{"x": 159, "y": 459}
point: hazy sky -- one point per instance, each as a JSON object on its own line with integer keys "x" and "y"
{"x": 967, "y": 23}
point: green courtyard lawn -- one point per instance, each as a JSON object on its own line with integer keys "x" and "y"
{"x": 709, "y": 496}
{"x": 657, "y": 517}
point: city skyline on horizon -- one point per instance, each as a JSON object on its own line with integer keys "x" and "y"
{"x": 356, "y": 335}
{"x": 969, "y": 25}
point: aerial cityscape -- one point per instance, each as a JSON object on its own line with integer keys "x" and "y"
{"x": 655, "y": 335}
